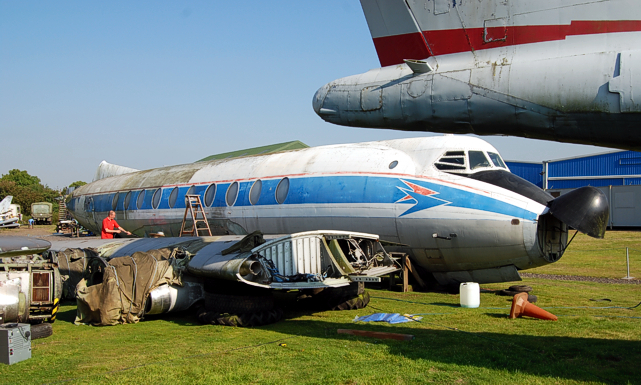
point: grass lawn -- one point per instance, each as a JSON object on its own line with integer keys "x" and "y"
{"x": 588, "y": 256}
{"x": 592, "y": 342}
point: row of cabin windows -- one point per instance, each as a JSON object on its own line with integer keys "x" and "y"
{"x": 282, "y": 190}
{"x": 459, "y": 161}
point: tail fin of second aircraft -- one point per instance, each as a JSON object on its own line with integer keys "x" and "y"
{"x": 395, "y": 31}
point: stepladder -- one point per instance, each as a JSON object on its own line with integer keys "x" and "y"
{"x": 194, "y": 208}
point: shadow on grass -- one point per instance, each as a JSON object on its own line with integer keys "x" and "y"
{"x": 579, "y": 359}
{"x": 571, "y": 358}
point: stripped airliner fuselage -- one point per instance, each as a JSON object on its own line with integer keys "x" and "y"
{"x": 450, "y": 199}
{"x": 563, "y": 70}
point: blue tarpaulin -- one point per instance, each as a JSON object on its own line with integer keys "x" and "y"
{"x": 392, "y": 318}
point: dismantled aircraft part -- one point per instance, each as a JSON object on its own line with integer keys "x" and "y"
{"x": 30, "y": 289}
{"x": 234, "y": 304}
{"x": 359, "y": 302}
{"x": 296, "y": 261}
{"x": 72, "y": 264}
{"x": 15, "y": 246}
{"x": 585, "y": 209}
{"x": 172, "y": 298}
{"x": 42, "y": 330}
{"x": 348, "y": 297}
{"x": 116, "y": 291}
{"x": 13, "y": 302}
{"x": 241, "y": 320}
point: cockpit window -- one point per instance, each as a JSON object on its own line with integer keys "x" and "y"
{"x": 496, "y": 159}
{"x": 478, "y": 160}
{"x": 451, "y": 161}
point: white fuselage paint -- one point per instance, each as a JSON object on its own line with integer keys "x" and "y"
{"x": 340, "y": 187}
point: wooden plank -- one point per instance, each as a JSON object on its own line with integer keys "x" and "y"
{"x": 381, "y": 335}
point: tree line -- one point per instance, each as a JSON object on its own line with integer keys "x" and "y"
{"x": 27, "y": 189}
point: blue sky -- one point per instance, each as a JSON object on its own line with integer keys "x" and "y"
{"x": 146, "y": 84}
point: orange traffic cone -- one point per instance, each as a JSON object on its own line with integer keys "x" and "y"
{"x": 521, "y": 307}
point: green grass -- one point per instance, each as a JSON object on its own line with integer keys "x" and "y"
{"x": 590, "y": 343}
{"x": 598, "y": 257}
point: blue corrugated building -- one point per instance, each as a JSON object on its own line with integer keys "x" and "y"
{"x": 530, "y": 171}
{"x": 616, "y": 173}
{"x": 618, "y": 168}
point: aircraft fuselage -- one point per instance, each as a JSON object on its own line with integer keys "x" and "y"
{"x": 453, "y": 225}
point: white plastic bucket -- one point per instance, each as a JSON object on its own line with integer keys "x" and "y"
{"x": 470, "y": 294}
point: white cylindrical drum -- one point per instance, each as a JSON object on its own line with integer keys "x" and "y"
{"x": 470, "y": 294}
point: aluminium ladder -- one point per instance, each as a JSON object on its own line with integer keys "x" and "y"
{"x": 194, "y": 206}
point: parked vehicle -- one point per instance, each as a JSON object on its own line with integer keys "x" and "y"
{"x": 42, "y": 212}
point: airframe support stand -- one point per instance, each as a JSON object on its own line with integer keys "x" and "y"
{"x": 194, "y": 206}
{"x": 406, "y": 269}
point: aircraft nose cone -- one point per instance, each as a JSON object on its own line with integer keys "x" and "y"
{"x": 319, "y": 98}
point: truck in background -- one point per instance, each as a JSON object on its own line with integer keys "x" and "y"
{"x": 42, "y": 212}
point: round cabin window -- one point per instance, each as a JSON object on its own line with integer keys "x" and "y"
{"x": 232, "y": 194}
{"x": 155, "y": 201}
{"x": 254, "y": 193}
{"x": 114, "y": 202}
{"x": 393, "y": 164}
{"x": 172, "y": 197}
{"x": 141, "y": 199}
{"x": 210, "y": 194}
{"x": 127, "y": 199}
{"x": 282, "y": 190}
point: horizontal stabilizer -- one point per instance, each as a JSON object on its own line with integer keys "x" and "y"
{"x": 106, "y": 170}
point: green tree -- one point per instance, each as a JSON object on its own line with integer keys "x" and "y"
{"x": 21, "y": 178}
{"x": 27, "y": 189}
{"x": 78, "y": 183}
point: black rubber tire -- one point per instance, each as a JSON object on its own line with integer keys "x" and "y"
{"x": 507, "y": 293}
{"x": 233, "y": 304}
{"x": 521, "y": 288}
{"x": 42, "y": 330}
{"x": 241, "y": 319}
{"x": 351, "y": 303}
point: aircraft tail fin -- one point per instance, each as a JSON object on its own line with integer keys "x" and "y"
{"x": 106, "y": 170}
{"x": 395, "y": 31}
{"x": 5, "y": 204}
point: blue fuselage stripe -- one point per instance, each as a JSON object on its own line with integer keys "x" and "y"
{"x": 327, "y": 190}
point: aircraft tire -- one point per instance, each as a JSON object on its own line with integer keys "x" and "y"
{"x": 521, "y": 288}
{"x": 233, "y": 304}
{"x": 41, "y": 330}
{"x": 241, "y": 319}
{"x": 509, "y": 293}
{"x": 351, "y": 303}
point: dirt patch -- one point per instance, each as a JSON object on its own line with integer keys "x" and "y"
{"x": 46, "y": 232}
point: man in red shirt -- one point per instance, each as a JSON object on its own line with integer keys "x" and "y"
{"x": 111, "y": 227}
